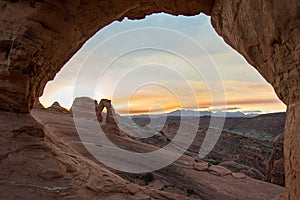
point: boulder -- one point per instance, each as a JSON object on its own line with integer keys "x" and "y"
{"x": 219, "y": 170}
{"x": 200, "y": 166}
{"x": 241, "y": 168}
{"x": 238, "y": 175}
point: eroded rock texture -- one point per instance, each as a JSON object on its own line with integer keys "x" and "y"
{"x": 35, "y": 164}
{"x": 267, "y": 34}
{"x": 38, "y": 37}
{"x": 292, "y": 152}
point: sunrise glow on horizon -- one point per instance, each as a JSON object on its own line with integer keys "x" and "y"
{"x": 245, "y": 90}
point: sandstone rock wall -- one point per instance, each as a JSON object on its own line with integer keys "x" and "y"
{"x": 292, "y": 152}
{"x": 267, "y": 34}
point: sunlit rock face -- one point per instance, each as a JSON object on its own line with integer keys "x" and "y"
{"x": 39, "y": 37}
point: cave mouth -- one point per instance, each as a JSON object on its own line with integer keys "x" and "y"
{"x": 42, "y": 38}
{"x": 236, "y": 75}
{"x": 154, "y": 82}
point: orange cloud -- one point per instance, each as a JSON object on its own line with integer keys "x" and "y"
{"x": 153, "y": 99}
{"x": 244, "y": 95}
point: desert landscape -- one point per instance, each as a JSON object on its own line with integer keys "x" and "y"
{"x": 79, "y": 153}
{"x": 238, "y": 164}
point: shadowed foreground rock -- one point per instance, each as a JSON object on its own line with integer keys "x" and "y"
{"x": 37, "y": 165}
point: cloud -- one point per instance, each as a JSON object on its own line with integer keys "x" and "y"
{"x": 233, "y": 108}
{"x": 252, "y": 111}
{"x": 252, "y": 101}
{"x": 223, "y": 109}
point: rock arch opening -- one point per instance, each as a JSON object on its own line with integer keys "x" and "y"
{"x": 41, "y": 38}
{"x": 105, "y": 112}
{"x": 237, "y": 75}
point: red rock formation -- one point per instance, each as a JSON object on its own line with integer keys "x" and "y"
{"x": 275, "y": 170}
{"x": 36, "y": 42}
{"x": 292, "y": 152}
{"x": 56, "y": 107}
{"x": 200, "y": 166}
{"x": 108, "y": 122}
{"x": 219, "y": 170}
{"x": 240, "y": 168}
{"x": 110, "y": 114}
{"x": 180, "y": 174}
{"x": 238, "y": 175}
{"x": 277, "y": 173}
{"x": 35, "y": 164}
{"x": 230, "y": 146}
{"x": 267, "y": 34}
{"x": 252, "y": 157}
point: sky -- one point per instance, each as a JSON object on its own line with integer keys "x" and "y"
{"x": 160, "y": 64}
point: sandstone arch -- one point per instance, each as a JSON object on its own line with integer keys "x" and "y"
{"x": 110, "y": 111}
{"x": 38, "y": 37}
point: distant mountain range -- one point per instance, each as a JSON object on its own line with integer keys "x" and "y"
{"x": 193, "y": 113}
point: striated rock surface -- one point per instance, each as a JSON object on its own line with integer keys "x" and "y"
{"x": 14, "y": 90}
{"x": 267, "y": 34}
{"x": 292, "y": 152}
{"x": 36, "y": 165}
